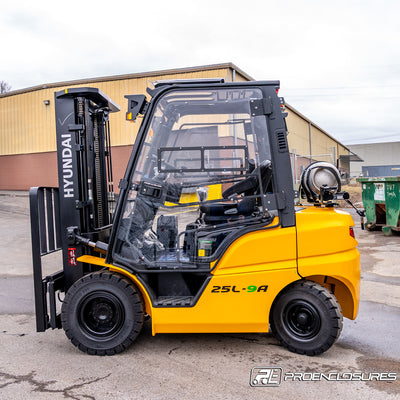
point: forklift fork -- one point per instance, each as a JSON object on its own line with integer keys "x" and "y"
{"x": 46, "y": 239}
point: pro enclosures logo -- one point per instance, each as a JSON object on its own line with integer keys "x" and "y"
{"x": 273, "y": 376}
{"x": 265, "y": 376}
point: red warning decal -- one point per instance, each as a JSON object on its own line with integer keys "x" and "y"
{"x": 72, "y": 257}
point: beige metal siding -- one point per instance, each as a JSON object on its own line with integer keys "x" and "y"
{"x": 322, "y": 146}
{"x": 341, "y": 150}
{"x": 298, "y": 138}
{"x": 237, "y": 77}
{"x": 27, "y": 125}
{"x": 322, "y": 143}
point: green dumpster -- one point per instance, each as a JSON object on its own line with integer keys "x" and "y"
{"x": 381, "y": 199}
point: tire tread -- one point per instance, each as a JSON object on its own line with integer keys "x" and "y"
{"x": 335, "y": 316}
{"x": 131, "y": 292}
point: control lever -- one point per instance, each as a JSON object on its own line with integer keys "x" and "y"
{"x": 361, "y": 213}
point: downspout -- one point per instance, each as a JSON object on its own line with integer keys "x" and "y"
{"x": 309, "y": 138}
{"x": 234, "y": 125}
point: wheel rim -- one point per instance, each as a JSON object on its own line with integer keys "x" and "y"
{"x": 301, "y": 319}
{"x": 101, "y": 315}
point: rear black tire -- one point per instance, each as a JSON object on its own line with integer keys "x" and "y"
{"x": 306, "y": 318}
{"x": 102, "y": 313}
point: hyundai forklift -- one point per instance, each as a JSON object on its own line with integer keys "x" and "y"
{"x": 202, "y": 234}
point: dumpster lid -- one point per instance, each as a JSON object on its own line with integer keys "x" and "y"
{"x": 379, "y": 179}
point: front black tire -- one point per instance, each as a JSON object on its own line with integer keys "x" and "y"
{"x": 306, "y": 318}
{"x": 102, "y": 313}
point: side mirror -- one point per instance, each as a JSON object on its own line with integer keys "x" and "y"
{"x": 136, "y": 105}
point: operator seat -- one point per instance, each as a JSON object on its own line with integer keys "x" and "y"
{"x": 219, "y": 213}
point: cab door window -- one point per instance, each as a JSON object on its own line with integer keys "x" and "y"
{"x": 199, "y": 179}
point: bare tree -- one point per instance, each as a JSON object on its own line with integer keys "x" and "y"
{"x": 4, "y": 87}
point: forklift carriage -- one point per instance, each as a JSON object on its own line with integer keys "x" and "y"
{"x": 203, "y": 235}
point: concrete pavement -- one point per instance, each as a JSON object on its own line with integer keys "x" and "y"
{"x": 214, "y": 366}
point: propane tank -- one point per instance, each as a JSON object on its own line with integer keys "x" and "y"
{"x": 320, "y": 182}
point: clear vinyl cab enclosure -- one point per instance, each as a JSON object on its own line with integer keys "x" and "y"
{"x": 204, "y": 236}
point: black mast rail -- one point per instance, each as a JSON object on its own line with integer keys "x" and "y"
{"x": 83, "y": 202}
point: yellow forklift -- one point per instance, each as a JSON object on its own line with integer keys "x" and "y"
{"x": 203, "y": 235}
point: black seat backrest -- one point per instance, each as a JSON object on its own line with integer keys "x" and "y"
{"x": 266, "y": 176}
{"x": 250, "y": 185}
{"x": 218, "y": 213}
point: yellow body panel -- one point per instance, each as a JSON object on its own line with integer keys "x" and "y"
{"x": 323, "y": 231}
{"x": 257, "y": 267}
{"x": 214, "y": 192}
{"x": 101, "y": 262}
{"x": 238, "y": 298}
{"x": 328, "y": 255}
{"x": 237, "y": 310}
{"x": 264, "y": 258}
{"x": 263, "y": 250}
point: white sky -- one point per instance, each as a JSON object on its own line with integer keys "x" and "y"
{"x": 338, "y": 61}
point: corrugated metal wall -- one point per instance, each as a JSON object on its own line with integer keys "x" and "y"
{"x": 299, "y": 138}
{"x": 27, "y": 125}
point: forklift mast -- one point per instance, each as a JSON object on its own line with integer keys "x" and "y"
{"x": 84, "y": 201}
